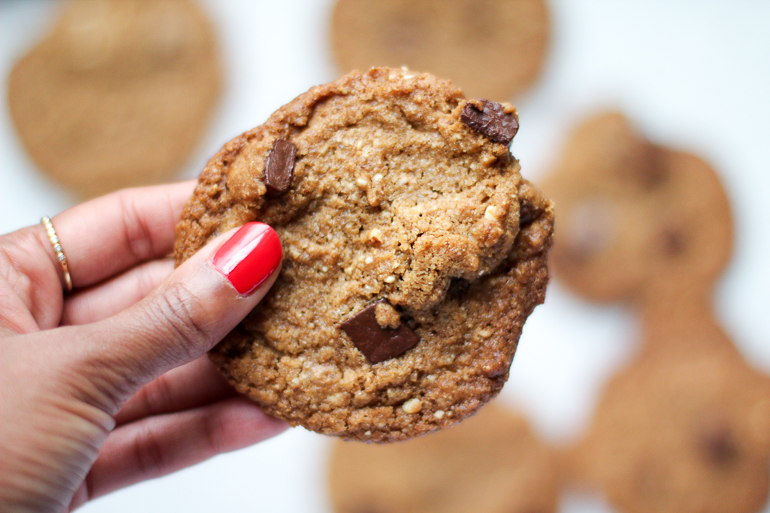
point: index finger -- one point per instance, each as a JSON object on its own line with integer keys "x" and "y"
{"x": 110, "y": 234}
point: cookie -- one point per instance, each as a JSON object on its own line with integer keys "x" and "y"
{"x": 413, "y": 253}
{"x": 491, "y": 48}
{"x": 118, "y": 94}
{"x": 638, "y": 221}
{"x": 492, "y": 463}
{"x": 681, "y": 431}
{"x": 683, "y": 323}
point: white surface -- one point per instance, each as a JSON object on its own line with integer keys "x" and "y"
{"x": 694, "y": 74}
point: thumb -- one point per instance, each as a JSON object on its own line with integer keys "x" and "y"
{"x": 189, "y": 313}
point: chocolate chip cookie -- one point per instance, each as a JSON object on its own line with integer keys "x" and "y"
{"x": 491, "y": 48}
{"x": 682, "y": 431}
{"x": 413, "y": 253}
{"x": 638, "y": 221}
{"x": 118, "y": 93}
{"x": 492, "y": 463}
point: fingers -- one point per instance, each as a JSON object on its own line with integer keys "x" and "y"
{"x": 31, "y": 287}
{"x": 160, "y": 445}
{"x": 190, "y": 386}
{"x": 192, "y": 310}
{"x": 108, "y": 235}
{"x": 108, "y": 298}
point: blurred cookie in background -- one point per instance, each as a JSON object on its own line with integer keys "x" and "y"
{"x": 683, "y": 323}
{"x": 637, "y": 221}
{"x": 493, "y": 49}
{"x": 681, "y": 431}
{"x": 686, "y": 427}
{"x": 491, "y": 463}
{"x": 118, "y": 93}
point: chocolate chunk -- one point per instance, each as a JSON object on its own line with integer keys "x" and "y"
{"x": 672, "y": 241}
{"x": 492, "y": 121}
{"x": 279, "y": 167}
{"x": 717, "y": 441}
{"x": 649, "y": 169}
{"x": 375, "y": 342}
{"x": 528, "y": 213}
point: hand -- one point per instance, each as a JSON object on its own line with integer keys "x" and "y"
{"x": 109, "y": 385}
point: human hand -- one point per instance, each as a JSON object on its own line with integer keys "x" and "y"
{"x": 109, "y": 385}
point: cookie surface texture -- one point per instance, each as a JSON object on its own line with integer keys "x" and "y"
{"x": 493, "y": 49}
{"x": 492, "y": 463}
{"x": 394, "y": 202}
{"x": 118, "y": 94}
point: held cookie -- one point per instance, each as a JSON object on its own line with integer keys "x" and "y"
{"x": 638, "y": 221}
{"x": 492, "y": 463}
{"x": 413, "y": 253}
{"x": 491, "y": 48}
{"x": 681, "y": 433}
{"x": 118, "y": 94}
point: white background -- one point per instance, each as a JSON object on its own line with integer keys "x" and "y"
{"x": 694, "y": 74}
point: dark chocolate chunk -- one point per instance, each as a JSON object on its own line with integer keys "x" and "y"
{"x": 649, "y": 169}
{"x": 375, "y": 342}
{"x": 279, "y": 167}
{"x": 492, "y": 121}
{"x": 717, "y": 441}
{"x": 672, "y": 241}
{"x": 528, "y": 213}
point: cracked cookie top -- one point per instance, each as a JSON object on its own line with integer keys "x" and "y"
{"x": 413, "y": 253}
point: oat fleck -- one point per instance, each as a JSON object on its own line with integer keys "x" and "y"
{"x": 375, "y": 237}
{"x": 492, "y": 213}
{"x": 412, "y": 406}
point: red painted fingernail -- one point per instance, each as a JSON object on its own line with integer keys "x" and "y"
{"x": 249, "y": 257}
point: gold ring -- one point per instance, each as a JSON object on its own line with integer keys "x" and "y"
{"x": 51, "y": 232}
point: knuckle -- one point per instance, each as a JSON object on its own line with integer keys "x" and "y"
{"x": 157, "y": 396}
{"x": 213, "y": 428}
{"x": 149, "y": 453}
{"x": 136, "y": 231}
{"x": 179, "y": 309}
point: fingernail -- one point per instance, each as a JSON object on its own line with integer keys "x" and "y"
{"x": 249, "y": 257}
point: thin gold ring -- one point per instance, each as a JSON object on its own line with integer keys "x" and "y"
{"x": 60, "y": 256}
